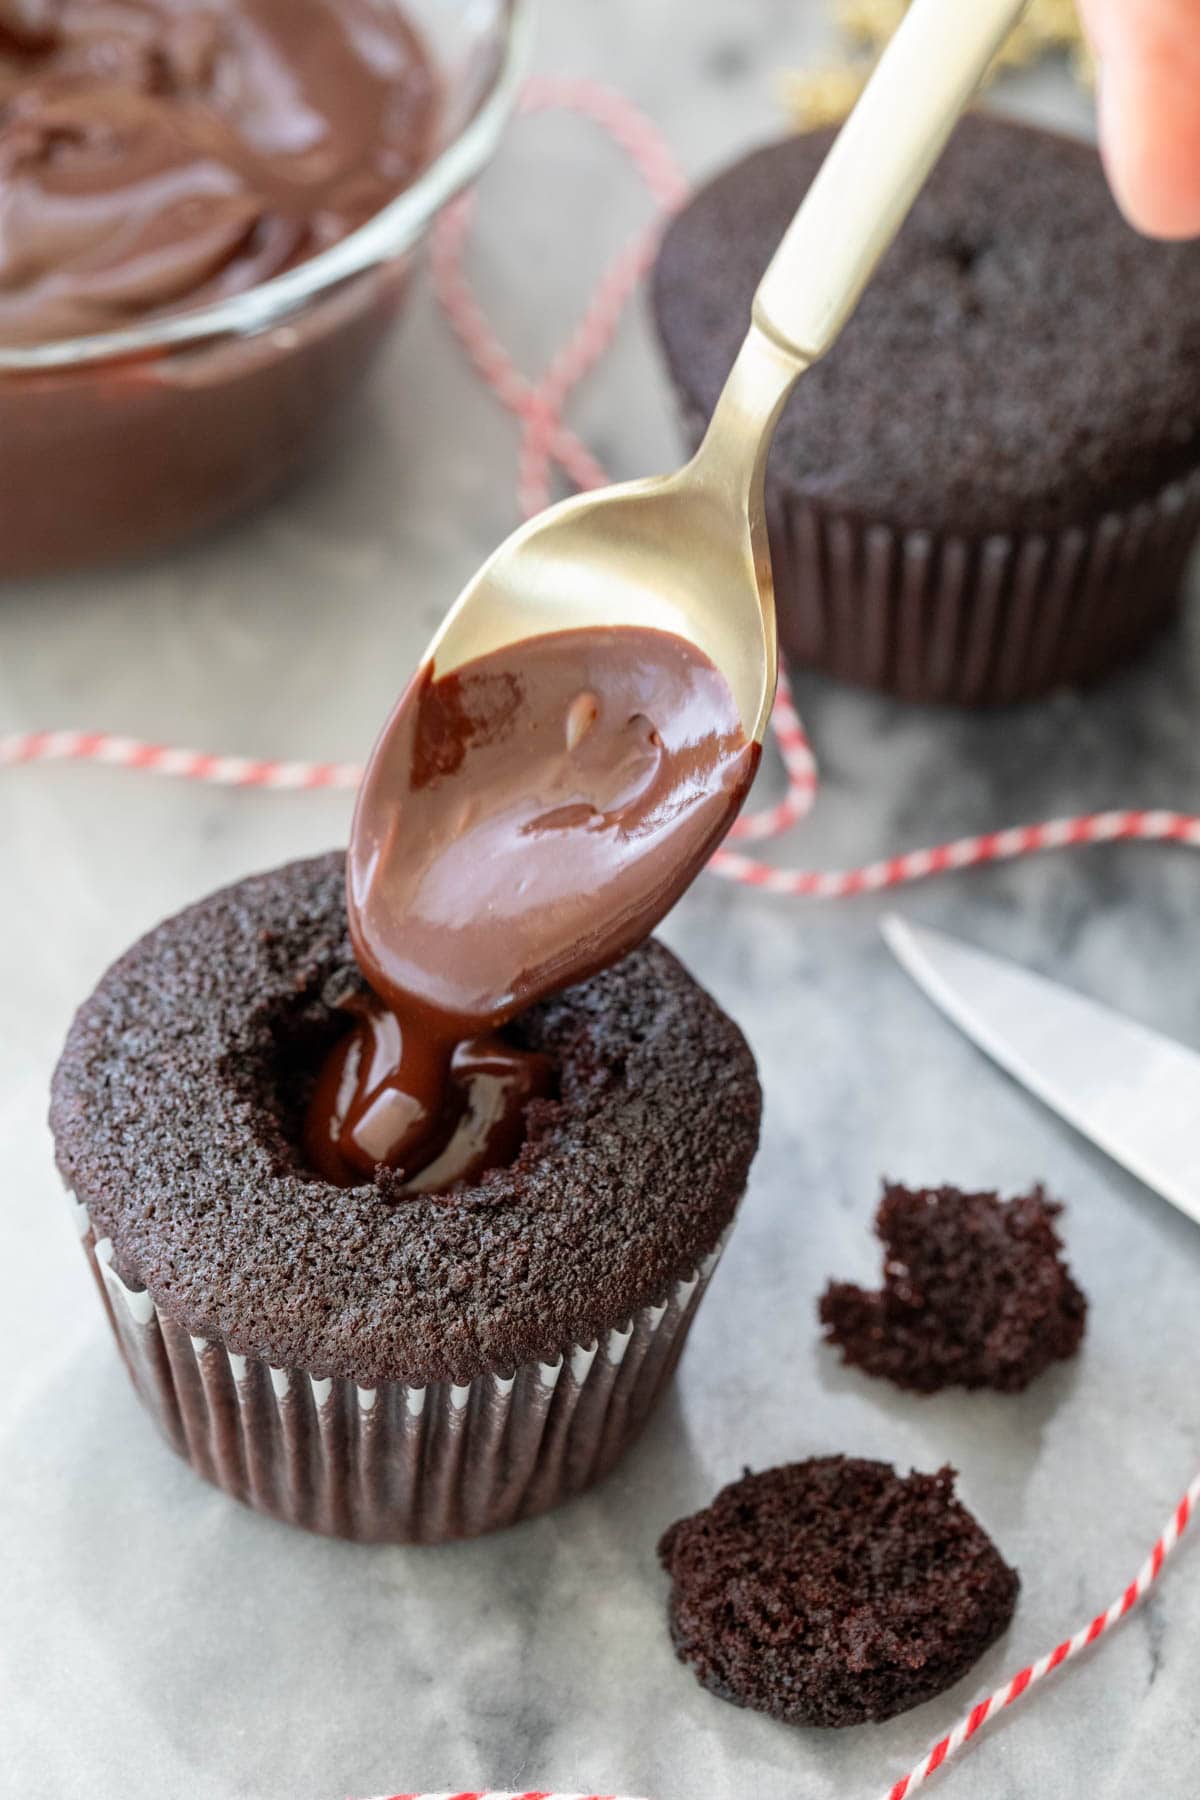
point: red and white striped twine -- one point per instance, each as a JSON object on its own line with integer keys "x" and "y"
{"x": 546, "y": 441}
{"x": 161, "y": 759}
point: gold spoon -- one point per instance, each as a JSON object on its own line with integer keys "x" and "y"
{"x": 687, "y": 553}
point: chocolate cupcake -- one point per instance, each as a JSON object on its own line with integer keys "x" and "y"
{"x": 991, "y": 485}
{"x": 366, "y": 1362}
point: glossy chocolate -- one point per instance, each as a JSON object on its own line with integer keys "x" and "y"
{"x": 160, "y": 154}
{"x": 383, "y": 1093}
{"x": 524, "y": 821}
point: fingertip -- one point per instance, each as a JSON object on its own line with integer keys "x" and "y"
{"x": 1149, "y": 100}
{"x": 1156, "y": 187}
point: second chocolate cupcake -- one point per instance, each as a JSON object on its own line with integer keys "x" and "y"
{"x": 992, "y": 484}
{"x": 373, "y": 1363}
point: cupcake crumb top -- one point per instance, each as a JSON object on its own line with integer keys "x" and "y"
{"x": 177, "y": 1109}
{"x": 1022, "y": 361}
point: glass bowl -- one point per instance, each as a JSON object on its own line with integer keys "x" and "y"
{"x": 127, "y": 440}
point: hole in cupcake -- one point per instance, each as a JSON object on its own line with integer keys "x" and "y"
{"x": 502, "y": 1092}
{"x": 347, "y": 1105}
{"x": 278, "y": 1083}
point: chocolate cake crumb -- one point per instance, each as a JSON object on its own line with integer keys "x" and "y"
{"x": 834, "y": 1591}
{"x": 975, "y": 1293}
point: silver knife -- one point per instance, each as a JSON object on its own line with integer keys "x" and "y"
{"x": 1130, "y": 1090}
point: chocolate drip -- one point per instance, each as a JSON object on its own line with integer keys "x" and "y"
{"x": 525, "y": 820}
{"x": 390, "y": 1095}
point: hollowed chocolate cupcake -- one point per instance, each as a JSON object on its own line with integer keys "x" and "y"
{"x": 991, "y": 485}
{"x": 363, "y": 1360}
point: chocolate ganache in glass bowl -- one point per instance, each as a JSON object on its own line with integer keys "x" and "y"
{"x": 206, "y": 214}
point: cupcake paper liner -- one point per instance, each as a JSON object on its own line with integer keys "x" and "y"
{"x": 396, "y": 1463}
{"x": 977, "y": 622}
{"x": 982, "y": 621}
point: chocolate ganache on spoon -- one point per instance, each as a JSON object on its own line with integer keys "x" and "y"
{"x": 525, "y": 820}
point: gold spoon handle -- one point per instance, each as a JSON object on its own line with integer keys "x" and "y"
{"x": 875, "y": 169}
{"x": 846, "y": 221}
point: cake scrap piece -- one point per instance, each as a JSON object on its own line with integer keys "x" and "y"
{"x": 834, "y": 1591}
{"x": 975, "y": 1293}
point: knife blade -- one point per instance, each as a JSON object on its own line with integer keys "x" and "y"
{"x": 1133, "y": 1092}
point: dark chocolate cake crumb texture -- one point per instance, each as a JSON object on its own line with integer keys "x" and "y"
{"x": 975, "y": 1293}
{"x": 177, "y": 1108}
{"x": 834, "y": 1591}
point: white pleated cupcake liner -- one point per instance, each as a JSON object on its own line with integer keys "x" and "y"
{"x": 397, "y": 1463}
{"x": 978, "y": 622}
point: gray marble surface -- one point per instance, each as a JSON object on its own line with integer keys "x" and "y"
{"x": 158, "y": 1640}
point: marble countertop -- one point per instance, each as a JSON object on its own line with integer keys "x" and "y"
{"x": 159, "y": 1640}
